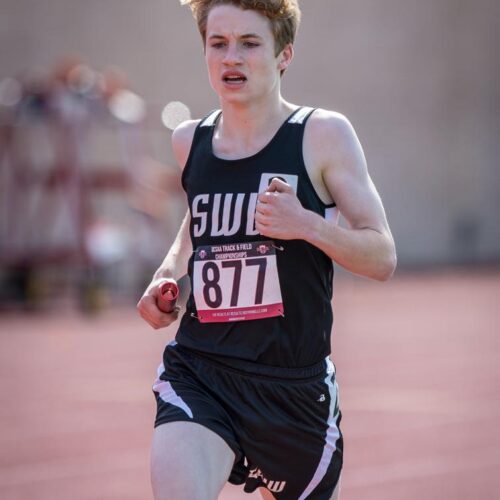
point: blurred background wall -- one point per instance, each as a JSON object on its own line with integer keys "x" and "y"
{"x": 419, "y": 79}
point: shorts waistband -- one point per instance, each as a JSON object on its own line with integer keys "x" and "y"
{"x": 251, "y": 368}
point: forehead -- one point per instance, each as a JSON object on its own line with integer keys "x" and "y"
{"x": 231, "y": 20}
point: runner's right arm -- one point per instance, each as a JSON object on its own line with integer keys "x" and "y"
{"x": 172, "y": 269}
{"x": 174, "y": 266}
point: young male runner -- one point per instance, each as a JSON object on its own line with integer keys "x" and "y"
{"x": 247, "y": 392}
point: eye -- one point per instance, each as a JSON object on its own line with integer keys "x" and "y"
{"x": 250, "y": 45}
{"x": 218, "y": 45}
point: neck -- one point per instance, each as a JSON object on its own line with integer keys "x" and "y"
{"x": 245, "y": 122}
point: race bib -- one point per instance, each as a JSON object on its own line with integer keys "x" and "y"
{"x": 236, "y": 282}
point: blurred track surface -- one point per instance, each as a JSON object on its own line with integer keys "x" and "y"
{"x": 417, "y": 362}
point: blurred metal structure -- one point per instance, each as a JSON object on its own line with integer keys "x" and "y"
{"x": 62, "y": 209}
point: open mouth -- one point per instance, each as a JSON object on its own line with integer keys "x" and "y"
{"x": 234, "y": 78}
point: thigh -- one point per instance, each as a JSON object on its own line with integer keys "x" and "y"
{"x": 293, "y": 442}
{"x": 188, "y": 462}
{"x": 186, "y": 391}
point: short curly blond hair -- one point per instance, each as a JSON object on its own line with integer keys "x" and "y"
{"x": 284, "y": 16}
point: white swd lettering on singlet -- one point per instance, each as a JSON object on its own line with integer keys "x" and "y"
{"x": 252, "y": 204}
{"x": 224, "y": 229}
{"x": 205, "y": 205}
{"x": 274, "y": 486}
{"x": 199, "y": 229}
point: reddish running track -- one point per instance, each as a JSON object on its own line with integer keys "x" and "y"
{"x": 417, "y": 362}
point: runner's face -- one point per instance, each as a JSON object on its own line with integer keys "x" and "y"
{"x": 240, "y": 54}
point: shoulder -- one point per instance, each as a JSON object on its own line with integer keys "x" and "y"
{"x": 331, "y": 140}
{"x": 330, "y": 127}
{"x": 182, "y": 138}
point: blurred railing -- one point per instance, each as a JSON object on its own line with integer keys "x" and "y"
{"x": 84, "y": 204}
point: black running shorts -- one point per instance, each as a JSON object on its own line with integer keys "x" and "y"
{"x": 282, "y": 424}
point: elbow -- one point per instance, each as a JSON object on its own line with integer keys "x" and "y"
{"x": 386, "y": 267}
{"x": 389, "y": 271}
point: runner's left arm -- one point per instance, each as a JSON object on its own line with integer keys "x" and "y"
{"x": 366, "y": 247}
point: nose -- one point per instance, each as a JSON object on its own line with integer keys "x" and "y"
{"x": 232, "y": 55}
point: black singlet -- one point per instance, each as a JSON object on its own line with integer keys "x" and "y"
{"x": 222, "y": 195}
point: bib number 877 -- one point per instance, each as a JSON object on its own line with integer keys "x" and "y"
{"x": 236, "y": 282}
{"x": 212, "y": 292}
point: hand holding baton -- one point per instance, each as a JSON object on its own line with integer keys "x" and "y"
{"x": 167, "y": 297}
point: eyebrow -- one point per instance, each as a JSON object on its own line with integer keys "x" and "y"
{"x": 244, "y": 37}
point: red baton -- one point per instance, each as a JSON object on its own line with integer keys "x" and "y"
{"x": 168, "y": 297}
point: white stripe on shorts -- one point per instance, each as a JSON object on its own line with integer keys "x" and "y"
{"x": 332, "y": 433}
{"x": 167, "y": 393}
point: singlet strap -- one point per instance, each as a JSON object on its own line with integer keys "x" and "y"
{"x": 211, "y": 119}
{"x": 301, "y": 115}
{"x": 202, "y": 138}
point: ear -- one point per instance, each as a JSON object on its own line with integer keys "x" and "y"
{"x": 285, "y": 57}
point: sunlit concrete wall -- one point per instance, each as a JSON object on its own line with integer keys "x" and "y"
{"x": 419, "y": 79}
